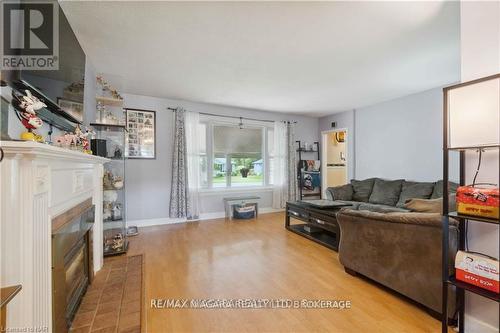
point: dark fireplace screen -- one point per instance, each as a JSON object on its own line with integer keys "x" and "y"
{"x": 71, "y": 264}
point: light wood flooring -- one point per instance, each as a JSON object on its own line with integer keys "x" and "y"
{"x": 260, "y": 259}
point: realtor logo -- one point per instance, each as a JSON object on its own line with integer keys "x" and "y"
{"x": 30, "y": 38}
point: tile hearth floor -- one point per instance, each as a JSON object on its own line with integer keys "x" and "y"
{"x": 113, "y": 300}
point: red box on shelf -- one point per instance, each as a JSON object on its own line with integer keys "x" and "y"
{"x": 477, "y": 269}
{"x": 478, "y": 201}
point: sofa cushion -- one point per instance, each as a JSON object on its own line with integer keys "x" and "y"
{"x": 381, "y": 208}
{"x": 343, "y": 192}
{"x": 411, "y": 190}
{"x": 353, "y": 204}
{"x": 386, "y": 192}
{"x": 362, "y": 189}
{"x": 438, "y": 189}
{"x": 425, "y": 219}
{"x": 430, "y": 205}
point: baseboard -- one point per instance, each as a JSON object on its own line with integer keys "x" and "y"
{"x": 203, "y": 217}
{"x": 473, "y": 325}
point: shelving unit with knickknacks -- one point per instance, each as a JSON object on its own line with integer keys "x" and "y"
{"x": 110, "y": 142}
{"x": 471, "y": 130}
{"x": 308, "y": 171}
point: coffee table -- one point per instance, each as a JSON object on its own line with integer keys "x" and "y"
{"x": 314, "y": 223}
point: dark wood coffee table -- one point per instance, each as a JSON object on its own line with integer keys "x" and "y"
{"x": 317, "y": 224}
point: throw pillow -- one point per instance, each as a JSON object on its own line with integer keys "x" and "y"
{"x": 343, "y": 192}
{"x": 386, "y": 192}
{"x": 430, "y": 205}
{"x": 425, "y": 205}
{"x": 412, "y": 190}
{"x": 361, "y": 189}
{"x": 438, "y": 189}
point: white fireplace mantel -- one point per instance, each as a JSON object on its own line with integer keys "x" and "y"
{"x": 37, "y": 183}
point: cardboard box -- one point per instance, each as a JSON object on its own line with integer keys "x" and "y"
{"x": 477, "y": 269}
{"x": 477, "y": 201}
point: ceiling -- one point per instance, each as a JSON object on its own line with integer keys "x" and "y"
{"x": 296, "y": 57}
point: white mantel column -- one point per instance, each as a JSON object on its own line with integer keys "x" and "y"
{"x": 480, "y": 56}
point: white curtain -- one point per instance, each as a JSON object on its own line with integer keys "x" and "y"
{"x": 292, "y": 163}
{"x": 280, "y": 190}
{"x": 285, "y": 164}
{"x": 193, "y": 163}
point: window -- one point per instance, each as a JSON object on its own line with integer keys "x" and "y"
{"x": 233, "y": 156}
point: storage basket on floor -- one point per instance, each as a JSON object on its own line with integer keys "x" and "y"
{"x": 242, "y": 212}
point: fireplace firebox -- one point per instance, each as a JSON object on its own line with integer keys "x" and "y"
{"x": 72, "y": 267}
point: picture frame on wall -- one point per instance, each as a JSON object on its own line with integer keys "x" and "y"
{"x": 140, "y": 140}
{"x": 73, "y": 108}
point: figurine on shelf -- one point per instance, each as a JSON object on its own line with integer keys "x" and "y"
{"x": 117, "y": 211}
{"x": 118, "y": 242}
{"x": 107, "y": 213}
{"x": 76, "y": 141}
{"x": 118, "y": 153}
{"x": 107, "y": 117}
{"x": 106, "y": 87}
{"x": 82, "y": 140}
{"x": 108, "y": 180}
{"x": 117, "y": 182}
{"x": 26, "y": 107}
{"x": 86, "y": 137}
{"x": 100, "y": 112}
{"x": 65, "y": 140}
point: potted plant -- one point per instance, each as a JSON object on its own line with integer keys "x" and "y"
{"x": 244, "y": 172}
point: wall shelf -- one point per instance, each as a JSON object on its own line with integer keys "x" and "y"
{"x": 300, "y": 172}
{"x": 473, "y": 289}
{"x": 484, "y": 147}
{"x": 109, "y": 101}
{"x": 456, "y": 215}
{"x": 107, "y": 125}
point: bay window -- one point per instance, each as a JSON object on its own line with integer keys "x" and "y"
{"x": 235, "y": 155}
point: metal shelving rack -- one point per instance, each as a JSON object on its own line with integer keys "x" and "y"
{"x": 300, "y": 177}
{"x": 449, "y": 279}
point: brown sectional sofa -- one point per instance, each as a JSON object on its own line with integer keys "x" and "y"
{"x": 393, "y": 246}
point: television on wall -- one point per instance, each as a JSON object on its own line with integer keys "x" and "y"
{"x": 61, "y": 90}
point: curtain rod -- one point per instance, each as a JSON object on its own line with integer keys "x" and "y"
{"x": 234, "y": 117}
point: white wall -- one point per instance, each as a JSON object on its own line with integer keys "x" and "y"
{"x": 148, "y": 182}
{"x": 401, "y": 138}
{"x": 89, "y": 102}
{"x": 480, "y": 56}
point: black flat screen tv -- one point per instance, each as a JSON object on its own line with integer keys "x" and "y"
{"x": 61, "y": 90}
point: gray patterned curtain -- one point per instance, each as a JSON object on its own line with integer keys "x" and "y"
{"x": 179, "y": 198}
{"x": 291, "y": 173}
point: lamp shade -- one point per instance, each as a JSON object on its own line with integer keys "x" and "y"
{"x": 474, "y": 113}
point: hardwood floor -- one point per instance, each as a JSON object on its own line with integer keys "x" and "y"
{"x": 260, "y": 259}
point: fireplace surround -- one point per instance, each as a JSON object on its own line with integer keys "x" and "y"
{"x": 39, "y": 183}
{"x": 72, "y": 267}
